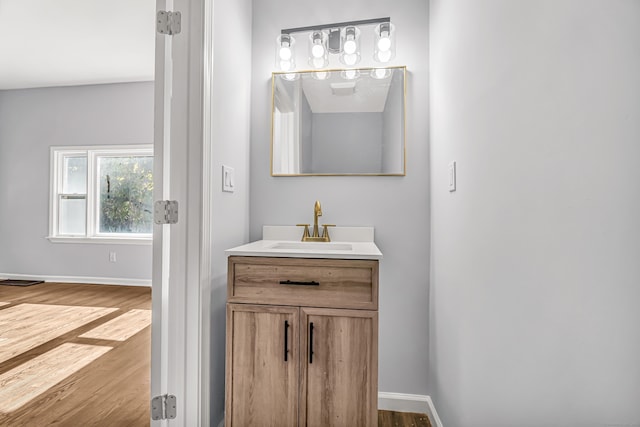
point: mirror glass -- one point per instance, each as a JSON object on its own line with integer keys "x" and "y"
{"x": 338, "y": 122}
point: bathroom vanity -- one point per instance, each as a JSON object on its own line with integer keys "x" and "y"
{"x": 302, "y": 331}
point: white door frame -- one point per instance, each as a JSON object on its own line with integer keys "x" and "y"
{"x": 182, "y": 252}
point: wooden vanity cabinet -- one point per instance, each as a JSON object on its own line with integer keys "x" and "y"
{"x": 338, "y": 368}
{"x": 262, "y": 384}
{"x": 294, "y": 364}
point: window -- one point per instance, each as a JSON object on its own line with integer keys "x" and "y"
{"x": 102, "y": 194}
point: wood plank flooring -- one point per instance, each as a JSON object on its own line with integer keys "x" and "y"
{"x": 402, "y": 419}
{"x": 22, "y": 325}
{"x": 122, "y": 327}
{"x": 113, "y": 389}
{"x": 29, "y": 380}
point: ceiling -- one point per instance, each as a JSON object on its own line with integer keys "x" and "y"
{"x": 75, "y": 42}
{"x": 337, "y": 95}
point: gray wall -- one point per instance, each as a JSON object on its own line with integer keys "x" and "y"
{"x": 230, "y": 139}
{"x": 346, "y": 143}
{"x": 32, "y": 120}
{"x": 398, "y": 207}
{"x": 535, "y": 271}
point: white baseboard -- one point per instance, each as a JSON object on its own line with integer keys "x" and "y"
{"x": 80, "y": 279}
{"x": 417, "y": 403}
{"x": 399, "y": 402}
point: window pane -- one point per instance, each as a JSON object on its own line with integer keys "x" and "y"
{"x": 72, "y": 216}
{"x": 126, "y": 194}
{"x": 74, "y": 176}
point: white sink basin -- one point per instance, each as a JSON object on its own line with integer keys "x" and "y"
{"x": 321, "y": 246}
{"x": 284, "y": 242}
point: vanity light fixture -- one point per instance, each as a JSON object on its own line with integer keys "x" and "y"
{"x": 285, "y": 54}
{"x": 385, "y": 42}
{"x": 351, "y": 46}
{"x": 341, "y": 39}
{"x": 319, "y": 55}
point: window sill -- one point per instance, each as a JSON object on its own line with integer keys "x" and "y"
{"x": 102, "y": 240}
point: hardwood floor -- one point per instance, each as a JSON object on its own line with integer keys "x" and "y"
{"x": 24, "y": 329}
{"x": 402, "y": 419}
{"x": 113, "y": 389}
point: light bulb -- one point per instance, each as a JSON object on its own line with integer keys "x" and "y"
{"x": 285, "y": 65}
{"x": 318, "y": 62}
{"x": 384, "y": 44}
{"x": 321, "y": 75}
{"x": 285, "y": 53}
{"x": 384, "y": 56}
{"x": 350, "y": 74}
{"x": 317, "y": 50}
{"x": 379, "y": 73}
{"x": 350, "y": 59}
{"x": 350, "y": 47}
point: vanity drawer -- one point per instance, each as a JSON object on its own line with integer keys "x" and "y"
{"x": 330, "y": 283}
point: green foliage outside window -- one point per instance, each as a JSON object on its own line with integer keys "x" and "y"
{"x": 126, "y": 194}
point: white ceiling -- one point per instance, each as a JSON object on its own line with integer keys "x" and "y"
{"x": 73, "y": 42}
{"x": 368, "y": 96}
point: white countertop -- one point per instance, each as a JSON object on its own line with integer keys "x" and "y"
{"x": 279, "y": 241}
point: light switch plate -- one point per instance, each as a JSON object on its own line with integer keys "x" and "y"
{"x": 452, "y": 176}
{"x": 228, "y": 179}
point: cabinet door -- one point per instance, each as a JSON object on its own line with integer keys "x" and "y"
{"x": 262, "y": 366}
{"x": 339, "y": 368}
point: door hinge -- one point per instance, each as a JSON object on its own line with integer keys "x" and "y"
{"x": 168, "y": 22}
{"x": 165, "y": 212}
{"x": 163, "y": 407}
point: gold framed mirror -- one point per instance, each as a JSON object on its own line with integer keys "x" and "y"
{"x": 339, "y": 122}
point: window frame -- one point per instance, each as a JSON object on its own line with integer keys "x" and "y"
{"x": 92, "y": 153}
